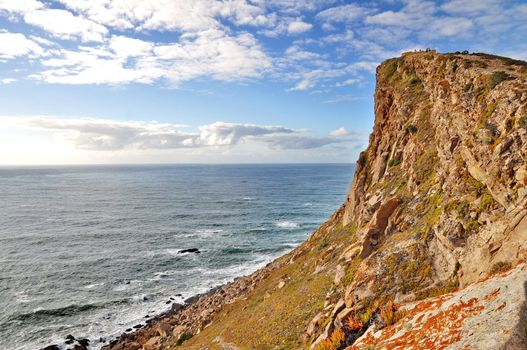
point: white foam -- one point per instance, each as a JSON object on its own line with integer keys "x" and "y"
{"x": 208, "y": 232}
{"x": 308, "y": 204}
{"x": 287, "y": 224}
{"x": 93, "y": 285}
{"x": 23, "y": 297}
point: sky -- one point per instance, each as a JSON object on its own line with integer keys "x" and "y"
{"x": 207, "y": 81}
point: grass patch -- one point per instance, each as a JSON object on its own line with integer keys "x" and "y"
{"x": 497, "y": 78}
{"x": 500, "y": 266}
{"x": 394, "y": 162}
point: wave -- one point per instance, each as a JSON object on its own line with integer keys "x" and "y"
{"x": 70, "y": 310}
{"x": 287, "y": 224}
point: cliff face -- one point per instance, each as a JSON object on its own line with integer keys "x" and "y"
{"x": 450, "y": 146}
{"x": 438, "y": 203}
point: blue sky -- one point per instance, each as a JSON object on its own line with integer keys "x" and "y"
{"x": 168, "y": 81}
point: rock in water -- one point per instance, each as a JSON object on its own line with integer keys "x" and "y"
{"x": 190, "y": 250}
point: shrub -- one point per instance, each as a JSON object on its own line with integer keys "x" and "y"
{"x": 390, "y": 315}
{"x": 394, "y": 162}
{"x": 497, "y": 78}
{"x": 389, "y": 68}
{"x": 185, "y": 336}
{"x": 472, "y": 226}
{"x": 500, "y": 266}
{"x": 522, "y": 122}
{"x": 353, "y": 322}
{"x": 333, "y": 342}
{"x": 411, "y": 128}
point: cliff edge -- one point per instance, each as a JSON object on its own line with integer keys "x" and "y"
{"x": 427, "y": 251}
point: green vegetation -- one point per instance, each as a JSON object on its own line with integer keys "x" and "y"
{"x": 500, "y": 266}
{"x": 497, "y": 78}
{"x": 389, "y": 68}
{"x": 468, "y": 87}
{"x": 472, "y": 226}
{"x": 184, "y": 337}
{"x": 522, "y": 122}
{"x": 394, "y": 162}
{"x": 411, "y": 129}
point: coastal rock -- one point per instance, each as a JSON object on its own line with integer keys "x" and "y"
{"x": 163, "y": 329}
{"x": 490, "y": 314}
{"x": 377, "y": 225}
{"x": 190, "y": 250}
{"x": 153, "y": 343}
{"x": 176, "y": 307}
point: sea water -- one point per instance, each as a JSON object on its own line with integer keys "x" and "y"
{"x": 93, "y": 250}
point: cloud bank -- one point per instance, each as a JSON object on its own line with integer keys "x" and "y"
{"x": 110, "y": 135}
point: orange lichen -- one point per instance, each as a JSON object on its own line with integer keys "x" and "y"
{"x": 492, "y": 295}
{"x": 439, "y": 329}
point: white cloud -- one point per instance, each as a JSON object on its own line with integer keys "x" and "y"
{"x": 344, "y": 13}
{"x": 125, "y": 60}
{"x": 346, "y": 36}
{"x": 340, "y": 132}
{"x": 63, "y": 24}
{"x": 297, "y": 142}
{"x": 451, "y": 26}
{"x": 168, "y": 15}
{"x": 297, "y": 27}
{"x": 347, "y": 82}
{"x": 16, "y": 44}
{"x": 111, "y": 135}
{"x": 19, "y": 6}
{"x": 105, "y": 135}
{"x": 7, "y": 80}
{"x": 461, "y": 7}
{"x": 415, "y": 14}
{"x": 362, "y": 65}
{"x": 220, "y": 133}
{"x": 344, "y": 98}
{"x": 124, "y": 46}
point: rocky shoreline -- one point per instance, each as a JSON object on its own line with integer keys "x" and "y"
{"x": 181, "y": 322}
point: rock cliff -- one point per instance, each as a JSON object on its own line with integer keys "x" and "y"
{"x": 427, "y": 251}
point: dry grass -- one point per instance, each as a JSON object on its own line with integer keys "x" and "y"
{"x": 333, "y": 342}
{"x": 390, "y": 315}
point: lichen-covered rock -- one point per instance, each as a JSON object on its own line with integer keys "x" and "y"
{"x": 490, "y": 314}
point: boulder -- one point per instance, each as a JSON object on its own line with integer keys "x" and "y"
{"x": 153, "y": 343}
{"x": 378, "y": 223}
{"x": 489, "y": 314}
{"x": 178, "y": 331}
{"x": 314, "y": 324}
{"x": 163, "y": 329}
{"x": 339, "y": 274}
{"x": 190, "y": 250}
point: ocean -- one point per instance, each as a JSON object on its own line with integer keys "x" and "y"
{"x": 93, "y": 250}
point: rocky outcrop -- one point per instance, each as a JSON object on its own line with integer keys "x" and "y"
{"x": 438, "y": 203}
{"x": 489, "y": 314}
